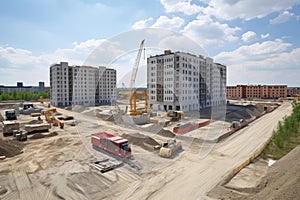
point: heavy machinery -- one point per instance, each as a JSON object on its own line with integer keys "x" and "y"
{"x": 169, "y": 148}
{"x": 175, "y": 115}
{"x": 132, "y": 100}
{"x": 117, "y": 146}
{"x": 20, "y": 135}
{"x": 133, "y": 91}
{"x": 112, "y": 144}
{"x": 10, "y": 114}
{"x": 53, "y": 119}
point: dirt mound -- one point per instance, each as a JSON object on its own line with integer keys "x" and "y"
{"x": 283, "y": 179}
{"x": 41, "y": 135}
{"x": 140, "y": 140}
{"x": 237, "y": 112}
{"x": 34, "y": 122}
{"x": 10, "y": 148}
{"x": 79, "y": 109}
{"x": 281, "y": 182}
{"x": 166, "y": 133}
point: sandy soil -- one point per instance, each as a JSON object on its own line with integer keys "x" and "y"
{"x": 56, "y": 165}
{"x": 281, "y": 182}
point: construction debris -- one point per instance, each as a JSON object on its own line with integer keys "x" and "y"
{"x": 106, "y": 165}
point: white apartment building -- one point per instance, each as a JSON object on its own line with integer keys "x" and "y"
{"x": 183, "y": 81}
{"x": 81, "y": 85}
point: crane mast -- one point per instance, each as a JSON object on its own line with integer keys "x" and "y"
{"x": 136, "y": 66}
{"x": 133, "y": 93}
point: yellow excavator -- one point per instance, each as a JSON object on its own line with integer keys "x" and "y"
{"x": 175, "y": 115}
{"x": 53, "y": 119}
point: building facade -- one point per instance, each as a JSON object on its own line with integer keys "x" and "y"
{"x": 183, "y": 81}
{"x": 256, "y": 91}
{"x": 293, "y": 91}
{"x": 20, "y": 88}
{"x": 81, "y": 85}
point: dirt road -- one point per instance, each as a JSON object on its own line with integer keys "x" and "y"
{"x": 191, "y": 177}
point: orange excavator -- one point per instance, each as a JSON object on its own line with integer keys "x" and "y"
{"x": 52, "y": 119}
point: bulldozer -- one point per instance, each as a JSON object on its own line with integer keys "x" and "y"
{"x": 169, "y": 148}
{"x": 175, "y": 115}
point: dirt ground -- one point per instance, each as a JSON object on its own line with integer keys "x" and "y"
{"x": 55, "y": 165}
{"x": 281, "y": 182}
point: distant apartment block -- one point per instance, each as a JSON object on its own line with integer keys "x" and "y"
{"x": 256, "y": 91}
{"x": 82, "y": 85}
{"x": 20, "y": 87}
{"x": 183, "y": 81}
{"x": 293, "y": 91}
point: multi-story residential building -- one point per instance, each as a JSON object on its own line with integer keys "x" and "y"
{"x": 183, "y": 81}
{"x": 256, "y": 91}
{"x": 293, "y": 91}
{"x": 19, "y": 88}
{"x": 82, "y": 85}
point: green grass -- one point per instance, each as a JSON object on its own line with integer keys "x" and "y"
{"x": 287, "y": 136}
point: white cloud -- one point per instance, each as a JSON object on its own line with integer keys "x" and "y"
{"x": 248, "y": 36}
{"x": 208, "y": 32}
{"x": 269, "y": 62}
{"x": 263, "y": 36}
{"x": 22, "y": 64}
{"x": 183, "y": 6}
{"x": 260, "y": 55}
{"x": 141, "y": 24}
{"x": 167, "y": 23}
{"x": 282, "y": 17}
{"x": 247, "y": 10}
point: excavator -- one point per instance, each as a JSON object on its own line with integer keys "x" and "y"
{"x": 53, "y": 119}
{"x": 175, "y": 115}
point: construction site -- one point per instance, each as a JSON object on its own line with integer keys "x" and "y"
{"x": 128, "y": 150}
{"x": 105, "y": 152}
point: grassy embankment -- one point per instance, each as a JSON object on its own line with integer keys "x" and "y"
{"x": 286, "y": 137}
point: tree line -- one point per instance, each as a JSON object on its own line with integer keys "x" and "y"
{"x": 287, "y": 135}
{"x": 23, "y": 95}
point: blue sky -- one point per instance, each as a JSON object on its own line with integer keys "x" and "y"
{"x": 257, "y": 39}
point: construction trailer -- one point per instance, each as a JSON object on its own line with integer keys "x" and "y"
{"x": 10, "y": 126}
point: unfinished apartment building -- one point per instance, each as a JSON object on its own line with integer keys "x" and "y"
{"x": 81, "y": 85}
{"x": 183, "y": 81}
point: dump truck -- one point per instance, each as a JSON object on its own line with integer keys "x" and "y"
{"x": 169, "y": 148}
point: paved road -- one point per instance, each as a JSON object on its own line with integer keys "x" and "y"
{"x": 191, "y": 177}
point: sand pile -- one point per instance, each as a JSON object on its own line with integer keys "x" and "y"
{"x": 43, "y": 135}
{"x": 140, "y": 140}
{"x": 10, "y": 148}
{"x": 166, "y": 133}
